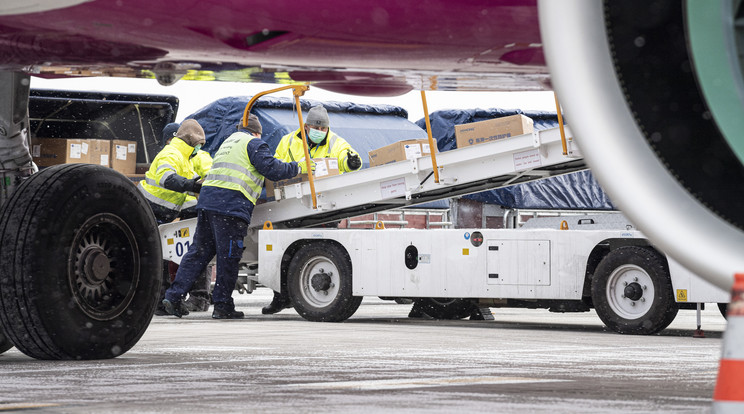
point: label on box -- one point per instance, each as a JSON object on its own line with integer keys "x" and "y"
{"x": 76, "y": 151}
{"x": 412, "y": 151}
{"x": 132, "y": 148}
{"x": 36, "y": 151}
{"x": 85, "y": 148}
{"x": 333, "y": 163}
{"x": 425, "y": 149}
{"x": 104, "y": 160}
{"x": 320, "y": 169}
{"x": 393, "y": 188}
{"x": 121, "y": 152}
{"x": 527, "y": 159}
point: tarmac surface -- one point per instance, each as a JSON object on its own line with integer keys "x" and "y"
{"x": 524, "y": 361}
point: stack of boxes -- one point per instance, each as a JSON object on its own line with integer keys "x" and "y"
{"x": 117, "y": 154}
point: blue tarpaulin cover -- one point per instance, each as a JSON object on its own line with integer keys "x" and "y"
{"x": 578, "y": 190}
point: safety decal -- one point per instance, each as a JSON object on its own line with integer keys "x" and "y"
{"x": 184, "y": 232}
{"x": 467, "y": 235}
{"x": 465, "y": 252}
{"x": 170, "y": 241}
{"x": 681, "y": 295}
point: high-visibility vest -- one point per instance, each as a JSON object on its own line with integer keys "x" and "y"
{"x": 173, "y": 159}
{"x": 290, "y": 149}
{"x": 232, "y": 168}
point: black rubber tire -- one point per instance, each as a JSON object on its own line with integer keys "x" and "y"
{"x": 310, "y": 302}
{"x": 81, "y": 261}
{"x": 650, "y": 266}
{"x": 5, "y": 343}
{"x": 444, "y": 308}
{"x": 723, "y": 308}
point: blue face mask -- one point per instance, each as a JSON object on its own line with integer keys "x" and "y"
{"x": 316, "y": 136}
{"x": 196, "y": 149}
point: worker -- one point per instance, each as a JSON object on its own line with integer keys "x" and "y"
{"x": 171, "y": 175}
{"x": 322, "y": 143}
{"x": 224, "y": 209}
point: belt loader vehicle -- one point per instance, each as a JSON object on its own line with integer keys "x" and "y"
{"x": 634, "y": 287}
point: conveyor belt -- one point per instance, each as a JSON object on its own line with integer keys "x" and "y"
{"x": 462, "y": 171}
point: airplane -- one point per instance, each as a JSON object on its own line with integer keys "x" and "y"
{"x": 652, "y": 90}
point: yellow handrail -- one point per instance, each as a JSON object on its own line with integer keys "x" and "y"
{"x": 297, "y": 90}
{"x": 432, "y": 144}
{"x": 560, "y": 124}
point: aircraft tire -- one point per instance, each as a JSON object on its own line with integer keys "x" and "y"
{"x": 319, "y": 283}
{"x": 632, "y": 292}
{"x": 5, "y": 343}
{"x": 444, "y": 308}
{"x": 81, "y": 264}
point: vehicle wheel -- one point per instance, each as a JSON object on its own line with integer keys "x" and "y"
{"x": 632, "y": 291}
{"x": 723, "y": 307}
{"x": 444, "y": 308}
{"x": 5, "y": 343}
{"x": 82, "y": 263}
{"x": 319, "y": 283}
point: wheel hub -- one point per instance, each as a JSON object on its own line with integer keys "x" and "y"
{"x": 96, "y": 265}
{"x": 633, "y": 291}
{"x": 321, "y": 281}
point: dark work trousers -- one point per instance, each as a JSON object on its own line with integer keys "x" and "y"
{"x": 216, "y": 234}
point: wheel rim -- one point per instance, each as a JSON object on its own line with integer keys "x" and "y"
{"x": 319, "y": 281}
{"x": 104, "y": 267}
{"x": 630, "y": 292}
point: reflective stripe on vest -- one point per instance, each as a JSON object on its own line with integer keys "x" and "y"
{"x": 233, "y": 169}
{"x": 159, "y": 201}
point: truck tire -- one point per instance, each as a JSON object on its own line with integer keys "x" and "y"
{"x": 82, "y": 263}
{"x": 319, "y": 283}
{"x": 632, "y": 291}
{"x": 444, "y": 308}
{"x": 5, "y": 343}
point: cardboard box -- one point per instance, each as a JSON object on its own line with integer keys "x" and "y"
{"x": 324, "y": 167}
{"x": 399, "y": 151}
{"x": 492, "y": 130}
{"x": 99, "y": 152}
{"x": 53, "y": 151}
{"x": 124, "y": 156}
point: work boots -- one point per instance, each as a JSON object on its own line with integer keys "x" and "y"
{"x": 197, "y": 303}
{"x": 177, "y": 309}
{"x": 225, "y": 311}
{"x": 277, "y": 304}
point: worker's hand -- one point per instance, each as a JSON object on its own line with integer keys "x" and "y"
{"x": 353, "y": 161}
{"x": 303, "y": 166}
{"x": 196, "y": 185}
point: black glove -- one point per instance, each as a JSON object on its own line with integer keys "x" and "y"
{"x": 196, "y": 184}
{"x": 352, "y": 160}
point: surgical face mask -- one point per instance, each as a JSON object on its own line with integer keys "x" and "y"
{"x": 316, "y": 136}
{"x": 196, "y": 149}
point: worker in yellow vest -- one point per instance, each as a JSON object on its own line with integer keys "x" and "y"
{"x": 171, "y": 174}
{"x": 225, "y": 205}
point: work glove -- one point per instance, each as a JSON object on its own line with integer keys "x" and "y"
{"x": 303, "y": 166}
{"x": 353, "y": 161}
{"x": 196, "y": 184}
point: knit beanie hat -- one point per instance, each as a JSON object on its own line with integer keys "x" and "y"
{"x": 169, "y": 132}
{"x": 254, "y": 126}
{"x": 191, "y": 133}
{"x": 317, "y": 116}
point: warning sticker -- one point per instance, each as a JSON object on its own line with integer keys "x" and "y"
{"x": 527, "y": 159}
{"x": 393, "y": 188}
{"x": 681, "y": 295}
